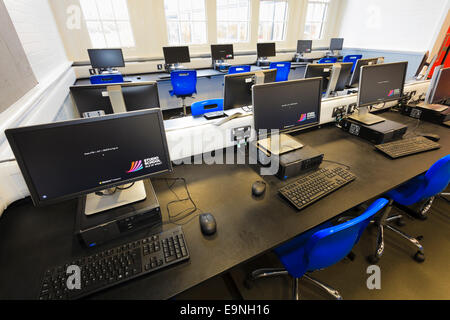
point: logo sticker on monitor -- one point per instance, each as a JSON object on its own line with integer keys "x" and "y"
{"x": 302, "y": 118}
{"x": 393, "y": 92}
{"x": 136, "y": 166}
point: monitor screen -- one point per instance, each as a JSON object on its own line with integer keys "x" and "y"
{"x": 68, "y": 159}
{"x": 287, "y": 106}
{"x": 137, "y": 96}
{"x": 106, "y": 58}
{"x": 222, "y": 52}
{"x": 304, "y": 46}
{"x": 381, "y": 83}
{"x": 360, "y": 63}
{"x": 336, "y": 44}
{"x": 266, "y": 50}
{"x": 322, "y": 70}
{"x": 344, "y": 76}
{"x": 174, "y": 55}
{"x": 238, "y": 88}
{"x": 442, "y": 90}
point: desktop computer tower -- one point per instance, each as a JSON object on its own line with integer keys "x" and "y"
{"x": 426, "y": 114}
{"x": 379, "y": 133}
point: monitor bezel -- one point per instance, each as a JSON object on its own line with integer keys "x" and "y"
{"x": 442, "y": 73}
{"x": 387, "y": 99}
{"x": 219, "y": 45}
{"x": 176, "y": 47}
{"x": 291, "y": 129}
{"x": 358, "y": 69}
{"x": 341, "y": 43}
{"x": 259, "y": 44}
{"x": 106, "y": 49}
{"x": 10, "y": 134}
{"x": 310, "y": 46}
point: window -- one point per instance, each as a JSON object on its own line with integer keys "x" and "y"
{"x": 186, "y": 21}
{"x": 233, "y": 21}
{"x": 272, "y": 20}
{"x": 108, "y": 23}
{"x": 316, "y": 18}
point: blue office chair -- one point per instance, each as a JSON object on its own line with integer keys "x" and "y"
{"x": 283, "y": 69}
{"x": 328, "y": 60}
{"x": 239, "y": 69}
{"x": 319, "y": 248}
{"x": 420, "y": 190}
{"x": 353, "y": 58}
{"x": 184, "y": 84}
{"x": 199, "y": 108}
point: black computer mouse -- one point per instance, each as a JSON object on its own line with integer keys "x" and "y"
{"x": 258, "y": 188}
{"x": 208, "y": 224}
{"x": 431, "y": 136}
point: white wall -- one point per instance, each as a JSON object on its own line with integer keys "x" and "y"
{"x": 39, "y": 35}
{"x": 402, "y": 25}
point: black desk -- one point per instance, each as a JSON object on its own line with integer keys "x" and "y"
{"x": 31, "y": 238}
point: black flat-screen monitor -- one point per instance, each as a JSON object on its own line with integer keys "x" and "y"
{"x": 137, "y": 96}
{"x": 422, "y": 64}
{"x": 69, "y": 159}
{"x": 322, "y": 70}
{"x": 266, "y": 50}
{"x": 442, "y": 90}
{"x": 360, "y": 63}
{"x": 106, "y": 58}
{"x": 222, "y": 51}
{"x": 287, "y": 106}
{"x": 336, "y": 44}
{"x": 173, "y": 55}
{"x": 238, "y": 87}
{"x": 381, "y": 83}
{"x": 304, "y": 46}
{"x": 344, "y": 76}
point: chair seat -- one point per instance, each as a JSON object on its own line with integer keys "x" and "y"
{"x": 403, "y": 194}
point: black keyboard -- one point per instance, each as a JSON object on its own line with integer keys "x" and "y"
{"x": 407, "y": 147}
{"x": 113, "y": 266}
{"x": 316, "y": 185}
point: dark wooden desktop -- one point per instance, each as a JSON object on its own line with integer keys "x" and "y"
{"x": 33, "y": 239}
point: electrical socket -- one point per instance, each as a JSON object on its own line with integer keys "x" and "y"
{"x": 159, "y": 66}
{"x": 339, "y": 111}
{"x": 351, "y": 108}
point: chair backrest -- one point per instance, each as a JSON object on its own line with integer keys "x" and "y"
{"x": 283, "y": 69}
{"x": 239, "y": 69}
{"x": 352, "y": 58}
{"x": 199, "y": 108}
{"x": 437, "y": 177}
{"x": 328, "y": 60}
{"x": 327, "y": 246}
{"x": 184, "y": 82}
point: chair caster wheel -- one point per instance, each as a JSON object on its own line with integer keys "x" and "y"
{"x": 401, "y": 222}
{"x": 373, "y": 259}
{"x": 419, "y": 256}
{"x": 248, "y": 283}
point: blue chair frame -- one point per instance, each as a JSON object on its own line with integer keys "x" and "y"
{"x": 319, "y": 248}
{"x": 283, "y": 70}
{"x": 420, "y": 191}
{"x": 184, "y": 84}
{"x": 328, "y": 60}
{"x": 198, "y": 108}
{"x": 353, "y": 58}
{"x": 239, "y": 69}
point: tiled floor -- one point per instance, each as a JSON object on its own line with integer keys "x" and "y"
{"x": 401, "y": 276}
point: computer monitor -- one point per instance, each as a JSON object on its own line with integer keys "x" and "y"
{"x": 287, "y": 106}
{"x": 422, "y": 64}
{"x": 323, "y": 70}
{"x": 378, "y": 84}
{"x": 360, "y": 63}
{"x": 175, "y": 55}
{"x": 238, "y": 87}
{"x": 336, "y": 44}
{"x": 442, "y": 88}
{"x": 344, "y": 76}
{"x": 106, "y": 58}
{"x": 265, "y": 50}
{"x": 136, "y": 96}
{"x": 69, "y": 159}
{"x": 304, "y": 46}
{"x": 222, "y": 51}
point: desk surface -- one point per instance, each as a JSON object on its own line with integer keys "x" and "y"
{"x": 31, "y": 238}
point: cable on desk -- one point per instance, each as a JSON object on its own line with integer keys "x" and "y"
{"x": 335, "y": 162}
{"x": 8, "y": 160}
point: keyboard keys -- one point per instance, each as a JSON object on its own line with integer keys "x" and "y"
{"x": 407, "y": 147}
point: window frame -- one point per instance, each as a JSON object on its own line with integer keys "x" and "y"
{"x": 324, "y": 20}
{"x": 247, "y": 22}
{"x": 273, "y": 21}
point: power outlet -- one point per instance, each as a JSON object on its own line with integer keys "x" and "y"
{"x": 159, "y": 66}
{"x": 339, "y": 111}
{"x": 241, "y": 135}
{"x": 351, "y": 108}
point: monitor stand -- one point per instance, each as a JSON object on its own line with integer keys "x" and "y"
{"x": 174, "y": 67}
{"x": 221, "y": 65}
{"x": 114, "y": 199}
{"x": 262, "y": 62}
{"x": 285, "y": 144}
{"x": 366, "y": 118}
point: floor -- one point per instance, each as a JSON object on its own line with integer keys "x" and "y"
{"x": 401, "y": 276}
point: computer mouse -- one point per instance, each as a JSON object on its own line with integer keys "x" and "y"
{"x": 208, "y": 224}
{"x": 258, "y": 188}
{"x": 431, "y": 136}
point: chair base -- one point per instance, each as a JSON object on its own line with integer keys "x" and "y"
{"x": 276, "y": 272}
{"x": 382, "y": 223}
